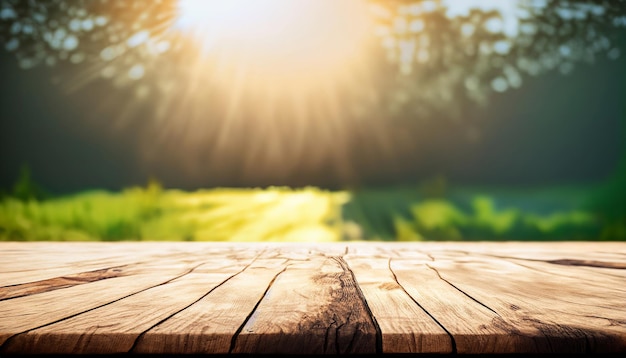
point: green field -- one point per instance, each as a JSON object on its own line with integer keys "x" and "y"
{"x": 152, "y": 213}
{"x": 426, "y": 212}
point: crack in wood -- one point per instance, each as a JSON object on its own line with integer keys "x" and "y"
{"x": 327, "y": 333}
{"x": 321, "y": 308}
{"x": 142, "y": 334}
{"x": 56, "y": 283}
{"x": 430, "y": 256}
{"x": 538, "y": 269}
{"x": 558, "y": 335}
{"x": 337, "y": 338}
{"x": 332, "y": 314}
{"x": 589, "y": 263}
{"x": 612, "y": 322}
{"x": 564, "y": 262}
{"x": 460, "y": 290}
{"x": 379, "y": 335}
{"x": 233, "y": 340}
{"x": 452, "y": 340}
{"x": 612, "y": 253}
{"x": 4, "y": 346}
{"x": 561, "y": 338}
{"x": 514, "y": 260}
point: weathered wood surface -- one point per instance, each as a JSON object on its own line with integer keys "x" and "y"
{"x": 353, "y": 297}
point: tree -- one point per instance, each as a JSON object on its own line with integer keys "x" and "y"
{"x": 431, "y": 59}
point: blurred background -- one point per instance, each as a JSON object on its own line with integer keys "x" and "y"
{"x": 312, "y": 120}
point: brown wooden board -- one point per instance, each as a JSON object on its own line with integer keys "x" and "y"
{"x": 349, "y": 297}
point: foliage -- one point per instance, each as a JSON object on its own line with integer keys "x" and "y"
{"x": 408, "y": 214}
{"x": 442, "y": 58}
{"x": 472, "y": 50}
{"x": 609, "y": 201}
{"x": 431, "y": 210}
{"x": 152, "y": 213}
{"x": 311, "y": 214}
{"x": 441, "y": 220}
{"x": 25, "y": 187}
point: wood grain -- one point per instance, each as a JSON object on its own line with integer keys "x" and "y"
{"x": 51, "y": 284}
{"x": 210, "y": 324}
{"x": 561, "y": 314}
{"x": 127, "y": 318}
{"x": 351, "y": 297}
{"x": 313, "y": 306}
{"x": 29, "y": 312}
{"x": 404, "y": 324}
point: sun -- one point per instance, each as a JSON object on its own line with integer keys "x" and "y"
{"x": 277, "y": 84}
{"x": 278, "y": 37}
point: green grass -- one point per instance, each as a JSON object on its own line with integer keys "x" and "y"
{"x": 436, "y": 213}
{"x": 425, "y": 212}
{"x": 151, "y": 213}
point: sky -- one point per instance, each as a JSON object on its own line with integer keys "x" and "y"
{"x": 554, "y": 130}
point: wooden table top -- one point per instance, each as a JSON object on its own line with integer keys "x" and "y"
{"x": 350, "y": 297}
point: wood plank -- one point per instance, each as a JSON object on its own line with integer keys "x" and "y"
{"x": 578, "y": 258}
{"x": 115, "y": 327}
{"x": 314, "y": 306}
{"x": 30, "y": 312}
{"x": 475, "y": 328}
{"x": 546, "y": 251}
{"x": 351, "y": 297}
{"x": 44, "y": 262}
{"x": 601, "y": 278}
{"x": 592, "y": 260}
{"x": 567, "y": 281}
{"x": 31, "y": 288}
{"x": 405, "y": 326}
{"x": 209, "y": 325}
{"x": 20, "y": 274}
{"x": 30, "y": 262}
{"x": 570, "y": 316}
